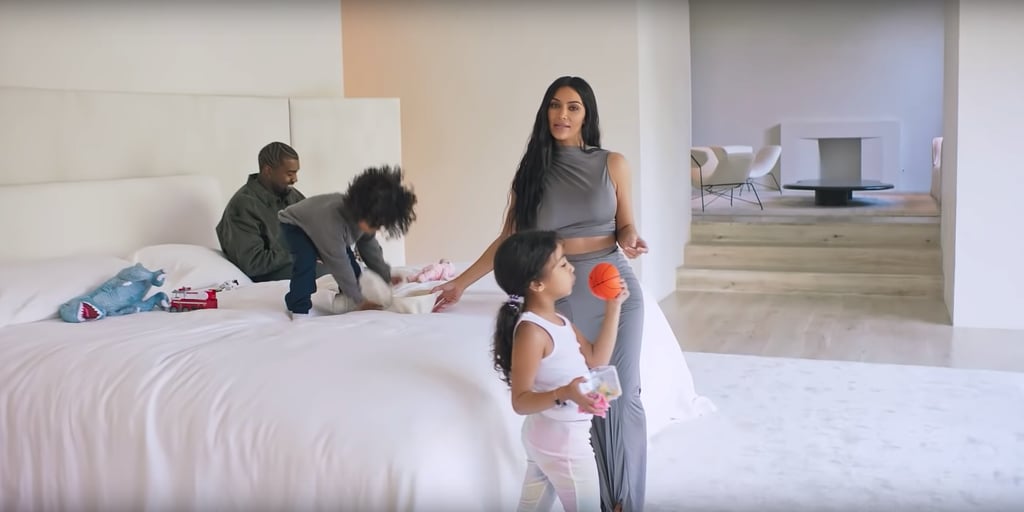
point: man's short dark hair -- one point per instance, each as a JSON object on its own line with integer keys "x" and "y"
{"x": 275, "y": 153}
{"x": 377, "y": 197}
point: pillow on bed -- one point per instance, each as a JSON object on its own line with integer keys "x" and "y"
{"x": 189, "y": 265}
{"x": 34, "y": 290}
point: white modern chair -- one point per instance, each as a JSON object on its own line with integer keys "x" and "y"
{"x": 702, "y": 163}
{"x": 731, "y": 171}
{"x": 764, "y": 162}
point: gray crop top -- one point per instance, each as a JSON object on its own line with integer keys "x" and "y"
{"x": 579, "y": 195}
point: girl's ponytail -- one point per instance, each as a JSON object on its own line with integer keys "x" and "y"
{"x": 518, "y": 262}
{"x": 504, "y": 332}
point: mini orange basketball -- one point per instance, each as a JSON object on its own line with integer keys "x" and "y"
{"x": 604, "y": 281}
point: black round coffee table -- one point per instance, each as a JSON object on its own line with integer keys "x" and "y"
{"x": 836, "y": 192}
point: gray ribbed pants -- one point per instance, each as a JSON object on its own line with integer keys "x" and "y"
{"x": 620, "y": 439}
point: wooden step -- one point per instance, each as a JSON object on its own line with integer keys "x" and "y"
{"x": 829, "y": 234}
{"x": 876, "y": 260}
{"x": 765, "y": 281}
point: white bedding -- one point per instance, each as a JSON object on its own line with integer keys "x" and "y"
{"x": 239, "y": 408}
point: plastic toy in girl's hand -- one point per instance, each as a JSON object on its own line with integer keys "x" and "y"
{"x": 603, "y": 380}
{"x": 600, "y": 403}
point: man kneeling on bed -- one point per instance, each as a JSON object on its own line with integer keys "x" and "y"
{"x": 324, "y": 226}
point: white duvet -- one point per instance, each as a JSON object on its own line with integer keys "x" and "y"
{"x": 241, "y": 409}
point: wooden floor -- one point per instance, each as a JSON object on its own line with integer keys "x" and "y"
{"x": 743, "y": 312}
{"x": 896, "y": 330}
{"x": 864, "y": 205}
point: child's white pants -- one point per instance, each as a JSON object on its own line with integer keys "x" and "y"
{"x": 560, "y": 461}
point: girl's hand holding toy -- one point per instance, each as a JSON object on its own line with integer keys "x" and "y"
{"x": 572, "y": 391}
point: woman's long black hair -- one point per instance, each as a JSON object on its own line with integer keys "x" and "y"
{"x": 528, "y": 183}
{"x": 519, "y": 261}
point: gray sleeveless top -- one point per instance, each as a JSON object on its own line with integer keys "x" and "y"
{"x": 579, "y": 196}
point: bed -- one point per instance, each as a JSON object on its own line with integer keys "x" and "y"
{"x": 238, "y": 408}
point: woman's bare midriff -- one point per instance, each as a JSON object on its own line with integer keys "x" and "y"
{"x": 583, "y": 245}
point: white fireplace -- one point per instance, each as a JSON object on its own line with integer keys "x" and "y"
{"x": 842, "y": 150}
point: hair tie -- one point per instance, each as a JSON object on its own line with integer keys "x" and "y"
{"x": 514, "y": 301}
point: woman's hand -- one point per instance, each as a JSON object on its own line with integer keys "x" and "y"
{"x": 451, "y": 292}
{"x": 631, "y": 243}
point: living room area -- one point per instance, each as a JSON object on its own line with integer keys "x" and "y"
{"x": 816, "y": 155}
{"x": 787, "y": 92}
{"x": 865, "y": 319}
{"x": 817, "y": 151}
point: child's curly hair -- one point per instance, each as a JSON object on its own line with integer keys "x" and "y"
{"x": 377, "y": 197}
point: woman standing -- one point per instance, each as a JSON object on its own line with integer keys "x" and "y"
{"x": 568, "y": 184}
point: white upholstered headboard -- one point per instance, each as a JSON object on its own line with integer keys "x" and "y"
{"x": 113, "y": 217}
{"x": 88, "y": 172}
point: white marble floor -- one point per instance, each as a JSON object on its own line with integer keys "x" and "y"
{"x": 840, "y": 402}
{"x": 836, "y": 403}
{"x": 814, "y": 435}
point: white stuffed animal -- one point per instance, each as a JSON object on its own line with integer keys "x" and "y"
{"x": 376, "y": 290}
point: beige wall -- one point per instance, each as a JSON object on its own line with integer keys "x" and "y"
{"x": 217, "y": 47}
{"x": 470, "y": 77}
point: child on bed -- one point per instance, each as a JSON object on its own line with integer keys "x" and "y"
{"x": 544, "y": 358}
{"x": 327, "y": 226}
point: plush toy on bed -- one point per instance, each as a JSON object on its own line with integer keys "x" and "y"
{"x": 376, "y": 290}
{"x": 122, "y": 294}
{"x": 440, "y": 271}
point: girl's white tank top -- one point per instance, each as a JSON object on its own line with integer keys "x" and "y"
{"x": 560, "y": 367}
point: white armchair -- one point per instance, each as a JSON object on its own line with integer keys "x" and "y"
{"x": 702, "y": 163}
{"x": 764, "y": 162}
{"x": 731, "y": 170}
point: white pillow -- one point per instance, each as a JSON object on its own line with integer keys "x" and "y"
{"x": 189, "y": 265}
{"x": 34, "y": 290}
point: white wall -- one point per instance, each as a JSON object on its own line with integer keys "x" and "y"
{"x": 664, "y": 72}
{"x": 341, "y": 137}
{"x": 988, "y": 287}
{"x": 951, "y": 79}
{"x": 757, "y": 63}
{"x": 470, "y": 77}
{"x": 232, "y": 47}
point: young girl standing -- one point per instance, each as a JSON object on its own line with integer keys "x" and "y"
{"x": 544, "y": 357}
